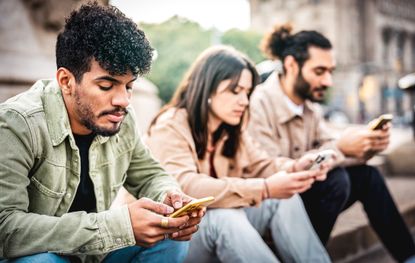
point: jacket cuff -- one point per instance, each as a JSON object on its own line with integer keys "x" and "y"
{"x": 116, "y": 229}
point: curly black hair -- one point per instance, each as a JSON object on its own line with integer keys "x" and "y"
{"x": 105, "y": 34}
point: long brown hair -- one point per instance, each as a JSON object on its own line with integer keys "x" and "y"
{"x": 213, "y": 65}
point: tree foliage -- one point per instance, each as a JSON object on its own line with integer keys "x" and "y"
{"x": 179, "y": 41}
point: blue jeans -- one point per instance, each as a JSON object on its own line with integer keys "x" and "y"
{"x": 165, "y": 251}
{"x": 235, "y": 235}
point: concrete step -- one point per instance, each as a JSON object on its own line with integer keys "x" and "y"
{"x": 353, "y": 239}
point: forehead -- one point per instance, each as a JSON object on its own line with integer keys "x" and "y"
{"x": 320, "y": 58}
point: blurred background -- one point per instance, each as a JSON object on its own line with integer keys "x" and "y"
{"x": 374, "y": 42}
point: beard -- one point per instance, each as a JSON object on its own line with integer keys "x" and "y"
{"x": 88, "y": 119}
{"x": 303, "y": 89}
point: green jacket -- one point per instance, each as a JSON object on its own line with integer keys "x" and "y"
{"x": 40, "y": 171}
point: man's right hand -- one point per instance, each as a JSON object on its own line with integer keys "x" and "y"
{"x": 284, "y": 185}
{"x": 146, "y": 218}
{"x": 357, "y": 142}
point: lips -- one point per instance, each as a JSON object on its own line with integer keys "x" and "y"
{"x": 116, "y": 116}
{"x": 239, "y": 113}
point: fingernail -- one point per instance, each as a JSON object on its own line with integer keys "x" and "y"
{"x": 175, "y": 234}
{"x": 177, "y": 205}
{"x": 169, "y": 210}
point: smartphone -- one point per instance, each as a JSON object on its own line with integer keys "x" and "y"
{"x": 322, "y": 157}
{"x": 378, "y": 123}
{"x": 192, "y": 206}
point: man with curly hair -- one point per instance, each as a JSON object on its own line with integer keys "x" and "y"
{"x": 69, "y": 144}
{"x": 287, "y": 122}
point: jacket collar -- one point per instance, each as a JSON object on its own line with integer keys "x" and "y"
{"x": 273, "y": 90}
{"x": 57, "y": 116}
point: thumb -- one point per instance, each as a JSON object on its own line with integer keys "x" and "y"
{"x": 156, "y": 207}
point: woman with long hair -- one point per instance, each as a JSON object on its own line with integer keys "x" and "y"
{"x": 199, "y": 138}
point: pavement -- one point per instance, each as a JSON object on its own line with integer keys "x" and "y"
{"x": 352, "y": 239}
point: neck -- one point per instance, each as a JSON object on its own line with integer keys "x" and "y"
{"x": 287, "y": 86}
{"x": 213, "y": 125}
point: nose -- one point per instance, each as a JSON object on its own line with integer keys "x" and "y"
{"x": 243, "y": 99}
{"x": 327, "y": 79}
{"x": 121, "y": 98}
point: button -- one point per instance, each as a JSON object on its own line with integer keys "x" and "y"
{"x": 118, "y": 240}
{"x": 68, "y": 195}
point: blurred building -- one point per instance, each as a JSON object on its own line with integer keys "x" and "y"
{"x": 28, "y": 31}
{"x": 374, "y": 41}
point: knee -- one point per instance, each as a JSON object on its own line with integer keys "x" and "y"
{"x": 339, "y": 183}
{"x": 226, "y": 220}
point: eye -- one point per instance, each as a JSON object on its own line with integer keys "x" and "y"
{"x": 129, "y": 88}
{"x": 105, "y": 88}
{"x": 319, "y": 72}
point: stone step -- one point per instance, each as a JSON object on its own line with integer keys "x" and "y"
{"x": 353, "y": 238}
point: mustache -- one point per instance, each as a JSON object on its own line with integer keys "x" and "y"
{"x": 321, "y": 88}
{"x": 118, "y": 110}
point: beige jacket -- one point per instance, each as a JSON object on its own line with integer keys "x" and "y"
{"x": 282, "y": 133}
{"x": 240, "y": 180}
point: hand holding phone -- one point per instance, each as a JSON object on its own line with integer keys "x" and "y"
{"x": 193, "y": 206}
{"x": 378, "y": 123}
{"x": 322, "y": 157}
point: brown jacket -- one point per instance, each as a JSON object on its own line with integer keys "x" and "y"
{"x": 282, "y": 133}
{"x": 239, "y": 181}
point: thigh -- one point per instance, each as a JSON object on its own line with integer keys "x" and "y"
{"x": 163, "y": 251}
{"x": 38, "y": 258}
{"x": 227, "y": 235}
{"x": 260, "y": 217}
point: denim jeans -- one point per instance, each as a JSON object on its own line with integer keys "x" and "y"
{"x": 164, "y": 251}
{"x": 342, "y": 188}
{"x": 235, "y": 235}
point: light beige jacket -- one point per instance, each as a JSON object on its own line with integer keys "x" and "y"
{"x": 282, "y": 133}
{"x": 240, "y": 180}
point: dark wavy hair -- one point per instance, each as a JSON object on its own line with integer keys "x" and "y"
{"x": 201, "y": 81}
{"x": 280, "y": 43}
{"x": 105, "y": 34}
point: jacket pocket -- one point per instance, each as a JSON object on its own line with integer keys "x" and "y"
{"x": 42, "y": 199}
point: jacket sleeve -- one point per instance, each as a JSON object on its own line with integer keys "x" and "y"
{"x": 146, "y": 177}
{"x": 23, "y": 232}
{"x": 176, "y": 155}
{"x": 260, "y": 125}
{"x": 260, "y": 163}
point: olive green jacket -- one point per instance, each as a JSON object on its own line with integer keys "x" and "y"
{"x": 40, "y": 172}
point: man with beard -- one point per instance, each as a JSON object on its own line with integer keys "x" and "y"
{"x": 69, "y": 144}
{"x": 286, "y": 122}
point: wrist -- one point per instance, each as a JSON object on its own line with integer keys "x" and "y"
{"x": 265, "y": 191}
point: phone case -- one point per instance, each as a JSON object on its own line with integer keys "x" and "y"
{"x": 193, "y": 205}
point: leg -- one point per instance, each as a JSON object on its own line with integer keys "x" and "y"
{"x": 38, "y": 258}
{"x": 291, "y": 230}
{"x": 226, "y": 235}
{"x": 369, "y": 188}
{"x": 325, "y": 200}
{"x": 164, "y": 251}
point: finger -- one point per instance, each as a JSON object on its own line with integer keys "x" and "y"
{"x": 176, "y": 199}
{"x": 156, "y": 207}
{"x": 185, "y": 232}
{"x": 178, "y": 221}
{"x": 303, "y": 175}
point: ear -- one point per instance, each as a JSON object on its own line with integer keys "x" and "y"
{"x": 66, "y": 80}
{"x": 291, "y": 66}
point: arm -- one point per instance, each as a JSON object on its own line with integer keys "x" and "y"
{"x": 24, "y": 232}
{"x": 177, "y": 155}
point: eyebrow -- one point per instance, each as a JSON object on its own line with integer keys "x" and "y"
{"x": 324, "y": 68}
{"x": 114, "y": 80}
